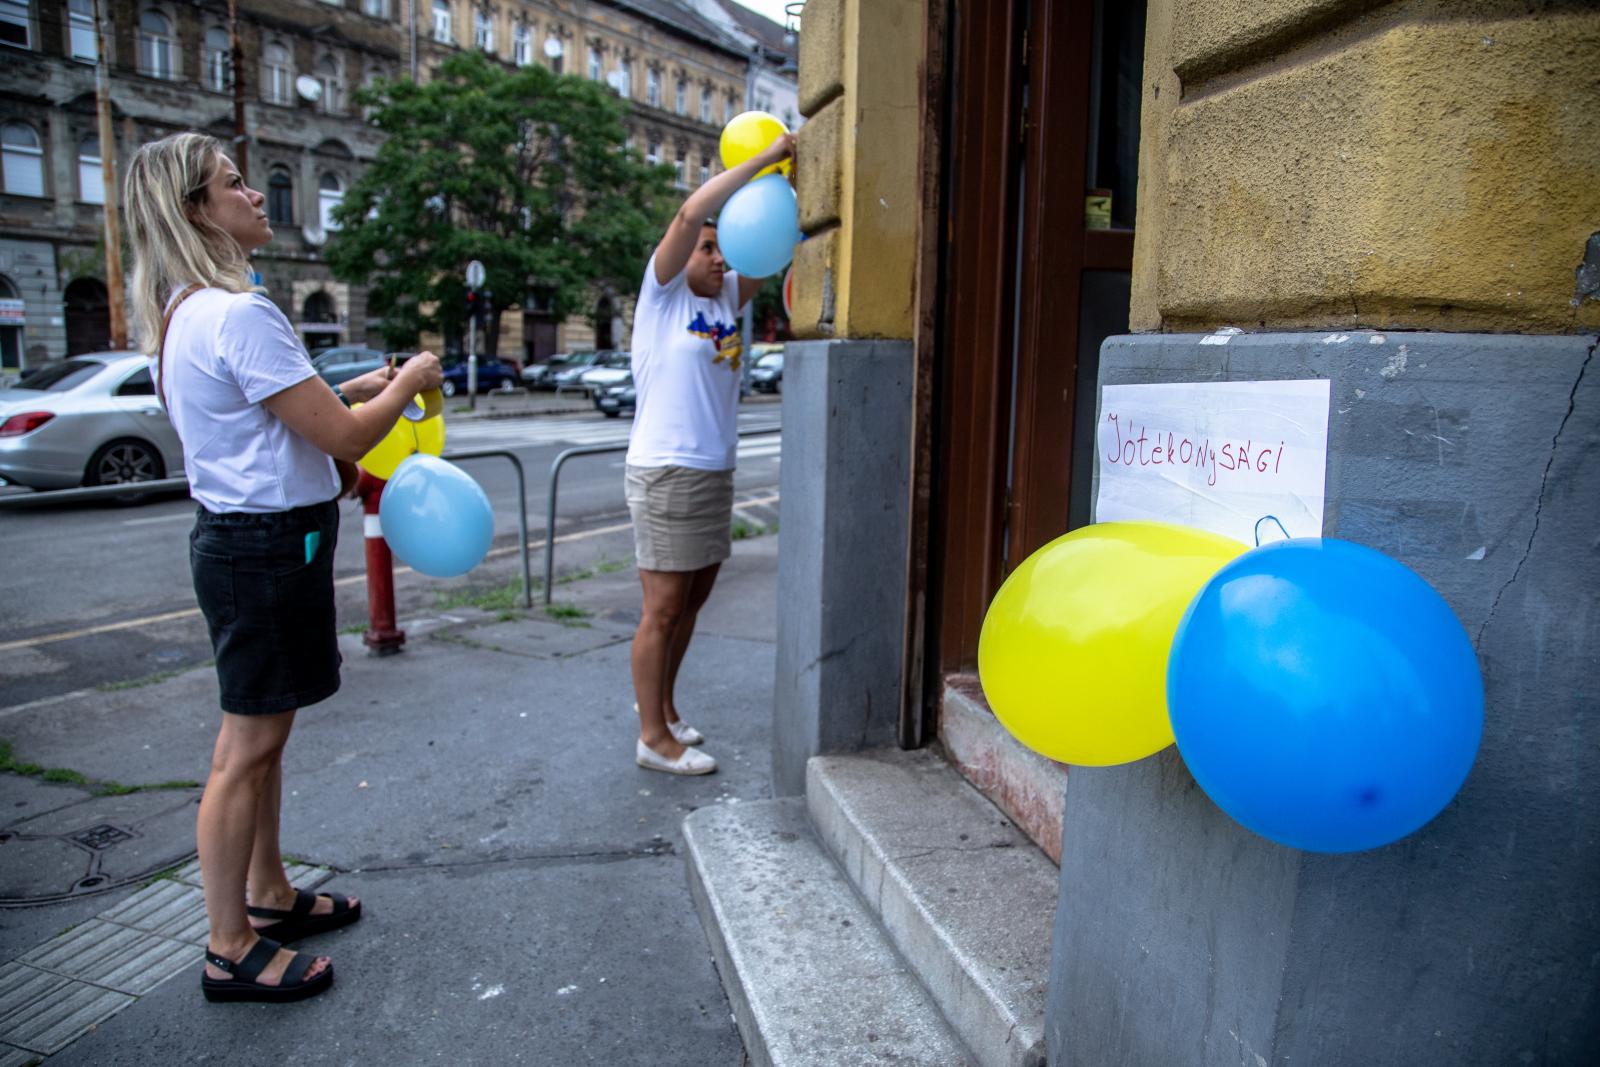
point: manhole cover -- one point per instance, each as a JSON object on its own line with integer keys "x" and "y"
{"x": 101, "y": 837}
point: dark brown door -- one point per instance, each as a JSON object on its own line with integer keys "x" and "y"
{"x": 538, "y": 337}
{"x": 1040, "y": 158}
{"x": 88, "y": 315}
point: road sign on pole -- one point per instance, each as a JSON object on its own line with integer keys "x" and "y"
{"x": 475, "y": 274}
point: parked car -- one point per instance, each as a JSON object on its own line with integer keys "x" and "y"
{"x": 539, "y": 375}
{"x": 493, "y": 375}
{"x": 88, "y": 420}
{"x": 577, "y": 362}
{"x": 767, "y": 375}
{"x": 610, "y": 369}
{"x": 618, "y": 398}
{"x": 338, "y": 365}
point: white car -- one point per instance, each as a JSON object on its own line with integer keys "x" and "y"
{"x": 87, "y": 420}
{"x": 613, "y": 368}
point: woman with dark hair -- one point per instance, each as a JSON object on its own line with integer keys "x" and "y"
{"x": 679, "y": 470}
{"x": 266, "y": 446}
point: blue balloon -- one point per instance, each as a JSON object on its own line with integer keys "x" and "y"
{"x": 1324, "y": 695}
{"x": 759, "y": 227}
{"x": 436, "y": 519}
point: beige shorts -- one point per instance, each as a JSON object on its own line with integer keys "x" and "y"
{"x": 682, "y": 517}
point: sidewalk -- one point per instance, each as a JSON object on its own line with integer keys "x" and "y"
{"x": 524, "y": 890}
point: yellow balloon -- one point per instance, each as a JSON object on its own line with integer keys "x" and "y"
{"x": 1073, "y": 652}
{"x": 430, "y": 435}
{"x": 388, "y": 453}
{"x": 748, "y": 135}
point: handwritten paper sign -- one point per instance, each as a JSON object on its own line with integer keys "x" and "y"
{"x": 1217, "y": 456}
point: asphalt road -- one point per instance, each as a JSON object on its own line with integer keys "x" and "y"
{"x": 100, "y": 595}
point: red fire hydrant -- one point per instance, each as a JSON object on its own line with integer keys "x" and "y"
{"x": 383, "y": 637}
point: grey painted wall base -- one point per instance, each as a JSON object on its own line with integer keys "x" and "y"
{"x": 842, "y": 563}
{"x": 1181, "y": 937}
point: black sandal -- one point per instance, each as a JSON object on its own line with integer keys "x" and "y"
{"x": 298, "y": 921}
{"x": 243, "y": 985}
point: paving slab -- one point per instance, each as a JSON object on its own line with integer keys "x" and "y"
{"x": 578, "y": 960}
{"x": 482, "y": 801}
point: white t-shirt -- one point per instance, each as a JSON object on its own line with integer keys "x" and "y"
{"x": 686, "y": 353}
{"x": 225, "y": 354}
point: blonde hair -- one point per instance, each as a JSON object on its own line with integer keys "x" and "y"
{"x": 166, "y": 180}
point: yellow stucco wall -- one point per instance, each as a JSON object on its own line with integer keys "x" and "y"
{"x": 1311, "y": 163}
{"x": 856, "y": 168}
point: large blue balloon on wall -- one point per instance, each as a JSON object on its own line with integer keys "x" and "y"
{"x": 436, "y": 519}
{"x": 1324, "y": 695}
{"x": 759, "y": 227}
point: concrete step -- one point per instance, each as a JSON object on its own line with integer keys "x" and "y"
{"x": 965, "y": 897}
{"x": 811, "y": 977}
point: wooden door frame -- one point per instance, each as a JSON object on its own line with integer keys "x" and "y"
{"x": 976, "y": 144}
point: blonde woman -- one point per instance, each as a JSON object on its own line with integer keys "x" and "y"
{"x": 261, "y": 434}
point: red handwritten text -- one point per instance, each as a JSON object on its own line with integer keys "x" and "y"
{"x": 1146, "y": 448}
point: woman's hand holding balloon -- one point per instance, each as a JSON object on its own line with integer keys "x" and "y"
{"x": 421, "y": 372}
{"x": 778, "y": 151}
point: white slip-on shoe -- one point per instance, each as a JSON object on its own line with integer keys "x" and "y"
{"x": 693, "y": 761}
{"x": 685, "y": 734}
{"x": 681, "y": 731}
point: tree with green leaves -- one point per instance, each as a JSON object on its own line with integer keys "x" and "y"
{"x": 520, "y": 168}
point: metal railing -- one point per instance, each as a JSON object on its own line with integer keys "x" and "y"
{"x": 555, "y": 482}
{"x": 522, "y": 511}
{"x": 165, "y": 485}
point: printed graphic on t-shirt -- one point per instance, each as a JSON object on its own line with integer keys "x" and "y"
{"x": 726, "y": 339}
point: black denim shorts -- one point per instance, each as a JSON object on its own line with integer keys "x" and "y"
{"x": 269, "y": 607}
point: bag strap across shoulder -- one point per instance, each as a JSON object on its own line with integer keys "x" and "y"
{"x": 161, "y": 342}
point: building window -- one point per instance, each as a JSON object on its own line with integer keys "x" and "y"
{"x": 653, "y": 156}
{"x": 80, "y": 30}
{"x": 482, "y": 32}
{"x": 705, "y": 169}
{"x": 330, "y": 193}
{"x": 594, "y": 63}
{"x": 521, "y": 45}
{"x": 91, "y": 179}
{"x": 155, "y": 45}
{"x": 681, "y": 99}
{"x": 678, "y": 169}
{"x": 556, "y": 54}
{"x": 625, "y": 78}
{"x": 378, "y": 9}
{"x": 219, "y": 60}
{"x": 14, "y": 23}
{"x": 705, "y": 104}
{"x": 280, "y": 198}
{"x": 652, "y": 88}
{"x": 441, "y": 22}
{"x": 22, "y": 159}
{"x": 331, "y": 102}
{"x": 729, "y": 105}
{"x": 278, "y": 83}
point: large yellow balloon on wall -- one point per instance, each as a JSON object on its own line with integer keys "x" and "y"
{"x": 747, "y": 136}
{"x": 1073, "y": 652}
